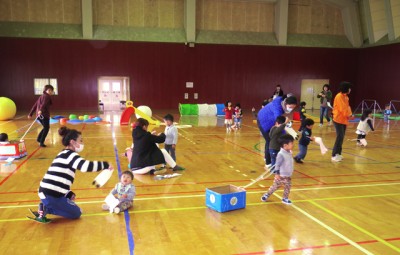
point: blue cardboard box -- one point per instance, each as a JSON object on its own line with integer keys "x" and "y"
{"x": 225, "y": 198}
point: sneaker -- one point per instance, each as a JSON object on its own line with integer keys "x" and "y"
{"x": 264, "y": 197}
{"x": 117, "y": 210}
{"x": 336, "y": 159}
{"x": 286, "y": 201}
{"x": 105, "y": 207}
{"x": 320, "y": 125}
{"x": 340, "y": 157}
{"x": 42, "y": 145}
{"x": 178, "y": 168}
{"x": 42, "y": 220}
{"x": 298, "y": 160}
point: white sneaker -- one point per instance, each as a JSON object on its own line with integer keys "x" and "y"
{"x": 336, "y": 159}
{"x": 340, "y": 157}
{"x": 320, "y": 125}
{"x": 117, "y": 210}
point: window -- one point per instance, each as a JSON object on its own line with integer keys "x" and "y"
{"x": 39, "y": 84}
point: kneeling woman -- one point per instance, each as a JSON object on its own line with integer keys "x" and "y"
{"x": 55, "y": 187}
{"x": 146, "y": 154}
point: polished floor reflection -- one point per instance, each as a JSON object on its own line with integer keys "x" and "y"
{"x": 350, "y": 207}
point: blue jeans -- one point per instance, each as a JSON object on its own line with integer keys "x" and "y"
{"x": 302, "y": 151}
{"x": 170, "y": 150}
{"x": 61, "y": 206}
{"x": 273, "y": 153}
{"x": 324, "y": 111}
{"x": 265, "y": 134}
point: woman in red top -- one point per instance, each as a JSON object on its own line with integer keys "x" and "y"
{"x": 41, "y": 107}
{"x": 229, "y": 111}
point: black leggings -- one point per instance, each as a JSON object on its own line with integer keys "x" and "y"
{"x": 359, "y": 137}
{"x": 46, "y": 127}
{"x": 340, "y": 132}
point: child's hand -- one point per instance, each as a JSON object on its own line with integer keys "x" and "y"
{"x": 173, "y": 146}
{"x": 253, "y": 109}
{"x": 124, "y": 196}
{"x": 153, "y": 132}
{"x": 111, "y": 168}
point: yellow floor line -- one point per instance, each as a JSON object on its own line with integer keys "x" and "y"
{"x": 190, "y": 208}
{"x": 356, "y": 226}
{"x": 330, "y": 229}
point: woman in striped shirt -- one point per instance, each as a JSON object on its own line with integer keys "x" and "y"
{"x": 55, "y": 187}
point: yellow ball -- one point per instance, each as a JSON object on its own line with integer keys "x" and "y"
{"x": 8, "y": 109}
{"x": 80, "y": 117}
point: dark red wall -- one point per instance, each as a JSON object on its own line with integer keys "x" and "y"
{"x": 379, "y": 74}
{"x": 158, "y": 71}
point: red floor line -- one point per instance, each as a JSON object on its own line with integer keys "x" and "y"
{"x": 318, "y": 247}
{"x": 261, "y": 155}
{"x": 308, "y": 176}
{"x": 18, "y": 167}
{"x": 185, "y": 192}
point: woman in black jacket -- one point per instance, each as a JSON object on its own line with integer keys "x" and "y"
{"x": 146, "y": 154}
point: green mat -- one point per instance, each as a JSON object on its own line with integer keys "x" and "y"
{"x": 188, "y": 109}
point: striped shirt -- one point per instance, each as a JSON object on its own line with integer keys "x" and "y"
{"x": 61, "y": 174}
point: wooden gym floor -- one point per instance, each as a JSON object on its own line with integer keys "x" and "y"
{"x": 350, "y": 207}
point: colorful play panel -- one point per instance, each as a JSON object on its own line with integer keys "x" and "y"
{"x": 201, "y": 109}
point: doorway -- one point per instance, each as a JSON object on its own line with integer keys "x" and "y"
{"x": 113, "y": 92}
{"x": 310, "y": 88}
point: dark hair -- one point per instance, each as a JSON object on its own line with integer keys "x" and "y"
{"x": 365, "y": 114}
{"x": 265, "y": 102}
{"x": 226, "y": 104}
{"x": 308, "y": 122}
{"x": 141, "y": 122}
{"x": 127, "y": 172}
{"x": 387, "y": 105}
{"x": 48, "y": 86}
{"x": 3, "y": 137}
{"x": 238, "y": 105}
{"x": 285, "y": 139}
{"x": 291, "y": 100}
{"x": 278, "y": 85}
{"x": 68, "y": 135}
{"x": 303, "y": 104}
{"x": 326, "y": 85}
{"x": 169, "y": 117}
{"x": 345, "y": 86}
{"x": 280, "y": 119}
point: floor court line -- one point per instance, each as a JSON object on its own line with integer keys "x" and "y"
{"x": 224, "y": 181}
{"x": 250, "y": 192}
{"x": 356, "y": 226}
{"x": 330, "y": 229}
{"x": 19, "y": 166}
{"x": 317, "y": 247}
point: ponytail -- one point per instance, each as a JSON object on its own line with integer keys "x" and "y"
{"x": 68, "y": 135}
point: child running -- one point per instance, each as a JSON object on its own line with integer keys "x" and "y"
{"x": 364, "y": 126}
{"x": 228, "y": 115}
{"x": 275, "y": 132}
{"x": 125, "y": 192}
{"x": 306, "y": 138}
{"x": 55, "y": 187}
{"x": 283, "y": 170}
{"x": 237, "y": 117}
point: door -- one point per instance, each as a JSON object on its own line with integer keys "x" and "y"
{"x": 113, "y": 92}
{"x": 310, "y": 88}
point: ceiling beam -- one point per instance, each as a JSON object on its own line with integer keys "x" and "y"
{"x": 390, "y": 21}
{"x": 87, "y": 19}
{"x": 281, "y": 21}
{"x": 190, "y": 20}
